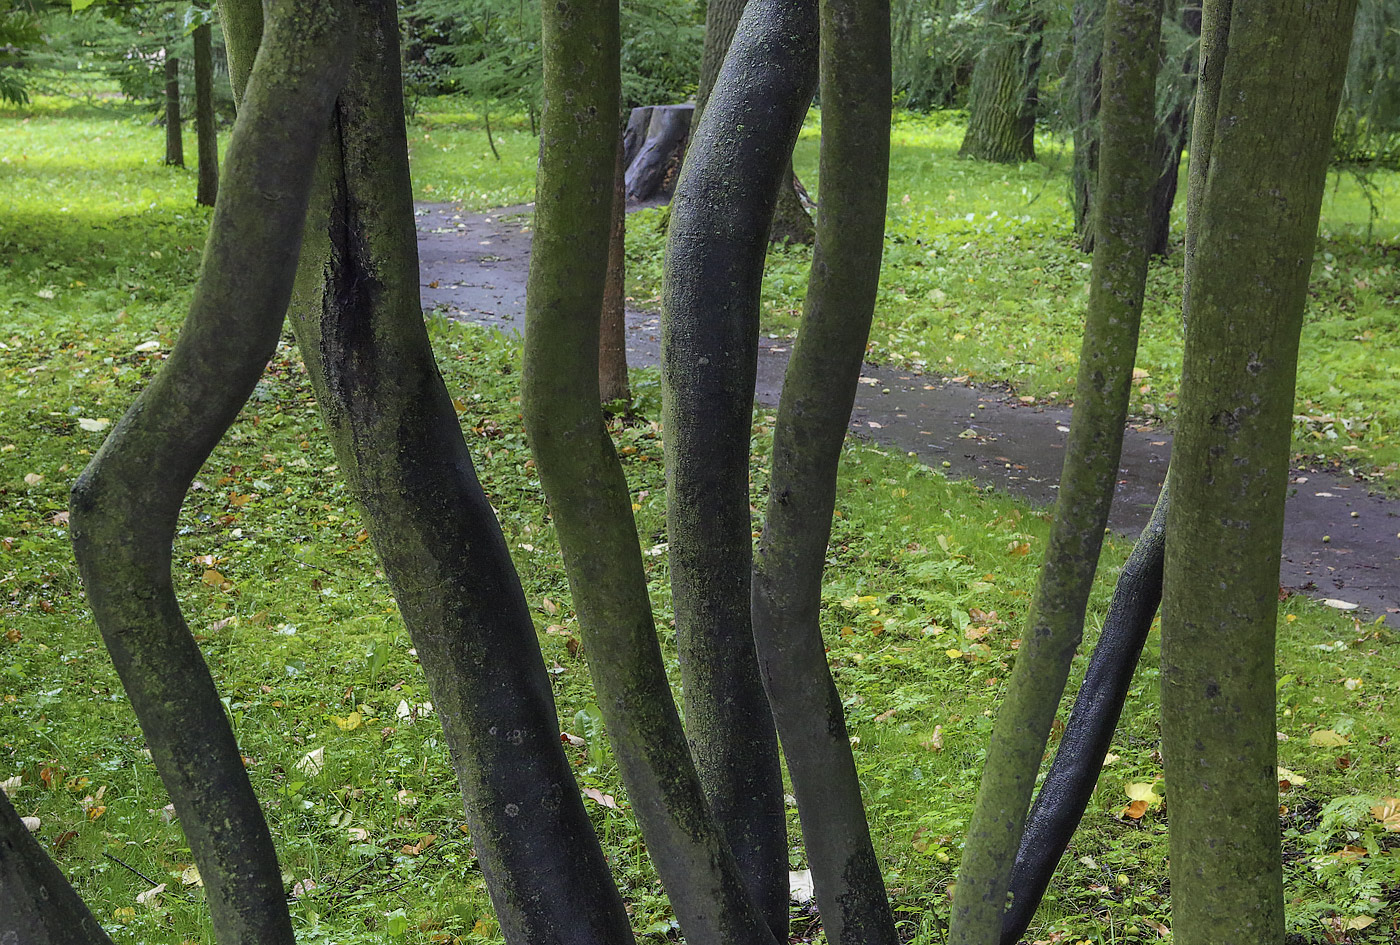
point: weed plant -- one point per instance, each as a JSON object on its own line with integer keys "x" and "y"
{"x": 928, "y": 581}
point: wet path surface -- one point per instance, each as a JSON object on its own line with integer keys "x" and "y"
{"x": 1340, "y": 541}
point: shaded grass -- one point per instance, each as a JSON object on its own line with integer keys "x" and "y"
{"x": 928, "y": 581}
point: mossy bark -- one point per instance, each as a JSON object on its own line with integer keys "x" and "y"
{"x": 1004, "y": 95}
{"x": 818, "y": 392}
{"x": 126, "y": 502}
{"x": 1279, "y": 69}
{"x": 174, "y": 139}
{"x": 1056, "y": 620}
{"x": 1170, "y": 139}
{"x": 38, "y": 906}
{"x": 791, "y": 221}
{"x": 1070, "y": 782}
{"x": 613, "y": 388}
{"x": 358, "y": 320}
{"x": 715, "y": 250}
{"x": 587, "y": 491}
{"x": 206, "y": 132}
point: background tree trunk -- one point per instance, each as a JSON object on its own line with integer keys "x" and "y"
{"x": 1056, "y": 621}
{"x": 1005, "y": 87}
{"x": 612, "y": 330}
{"x": 205, "y": 130}
{"x": 1269, "y": 134}
{"x": 654, "y": 146}
{"x": 715, "y": 250}
{"x": 174, "y": 141}
{"x": 818, "y": 391}
{"x": 792, "y": 223}
{"x": 125, "y": 504}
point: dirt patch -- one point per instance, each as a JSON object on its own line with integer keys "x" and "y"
{"x": 1341, "y": 541}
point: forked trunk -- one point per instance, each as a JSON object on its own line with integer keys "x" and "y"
{"x": 1056, "y": 619}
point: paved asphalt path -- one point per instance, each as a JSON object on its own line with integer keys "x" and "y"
{"x": 1341, "y": 541}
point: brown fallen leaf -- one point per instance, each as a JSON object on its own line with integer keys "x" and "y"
{"x": 420, "y": 846}
{"x": 607, "y": 800}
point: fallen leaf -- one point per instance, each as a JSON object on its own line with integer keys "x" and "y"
{"x": 1135, "y": 810}
{"x": 607, "y": 800}
{"x": 189, "y": 876}
{"x": 214, "y": 578}
{"x": 1289, "y": 779}
{"x": 1388, "y": 813}
{"x": 33, "y": 479}
{"x": 935, "y": 741}
{"x": 30, "y": 823}
{"x": 885, "y": 716}
{"x": 349, "y": 723}
{"x": 60, "y": 519}
{"x": 420, "y": 846}
{"x": 1359, "y": 922}
{"x": 1340, "y": 604}
{"x": 1326, "y": 738}
{"x": 11, "y": 785}
{"x": 94, "y": 425}
{"x": 151, "y": 896}
{"x": 302, "y": 887}
{"x": 313, "y": 762}
{"x": 357, "y": 834}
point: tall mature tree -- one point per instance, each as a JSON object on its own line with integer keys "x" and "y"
{"x": 206, "y": 132}
{"x": 126, "y": 502}
{"x": 818, "y": 392}
{"x": 1266, "y": 111}
{"x": 1056, "y": 621}
{"x": 791, "y": 221}
{"x": 1005, "y": 88}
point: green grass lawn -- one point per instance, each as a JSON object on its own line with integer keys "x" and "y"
{"x": 924, "y": 601}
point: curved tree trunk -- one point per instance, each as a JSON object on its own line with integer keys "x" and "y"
{"x": 1257, "y": 211}
{"x": 1056, "y": 621}
{"x": 1005, "y": 87}
{"x": 587, "y": 491}
{"x": 715, "y": 251}
{"x": 174, "y": 140}
{"x": 126, "y": 502}
{"x": 818, "y": 391}
{"x": 206, "y": 133}
{"x": 38, "y": 906}
{"x": 1070, "y": 782}
{"x": 359, "y": 323}
{"x": 792, "y": 223}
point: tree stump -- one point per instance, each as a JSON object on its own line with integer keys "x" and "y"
{"x": 653, "y": 147}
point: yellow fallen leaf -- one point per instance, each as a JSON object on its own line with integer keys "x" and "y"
{"x": 1359, "y": 922}
{"x": 953, "y": 654}
{"x": 214, "y": 578}
{"x": 1326, "y": 738}
{"x": 1289, "y": 779}
{"x": 1144, "y": 797}
{"x": 189, "y": 876}
{"x": 349, "y": 723}
{"x": 33, "y": 479}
